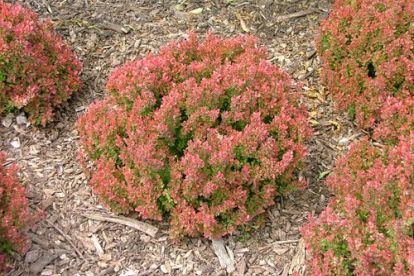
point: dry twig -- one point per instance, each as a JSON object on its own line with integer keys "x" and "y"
{"x": 66, "y": 237}
{"x": 115, "y": 27}
{"x": 277, "y": 242}
{"x": 139, "y": 225}
{"x": 294, "y": 15}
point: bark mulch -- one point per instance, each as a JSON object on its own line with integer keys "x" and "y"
{"x": 77, "y": 236}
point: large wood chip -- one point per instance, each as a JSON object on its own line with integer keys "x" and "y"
{"x": 139, "y": 225}
{"x": 285, "y": 270}
{"x": 42, "y": 241}
{"x": 115, "y": 27}
{"x": 224, "y": 259}
{"x": 241, "y": 267}
{"x": 38, "y": 266}
{"x": 299, "y": 259}
{"x": 294, "y": 15}
{"x": 242, "y": 23}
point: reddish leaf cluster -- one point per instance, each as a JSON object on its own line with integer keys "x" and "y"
{"x": 368, "y": 61}
{"x": 397, "y": 117}
{"x": 13, "y": 212}
{"x": 208, "y": 132}
{"x": 37, "y": 70}
{"x": 367, "y": 228}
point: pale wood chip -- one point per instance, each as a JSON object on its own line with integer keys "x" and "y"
{"x": 97, "y": 245}
{"x": 87, "y": 243}
{"x": 299, "y": 258}
{"x": 115, "y": 27}
{"x": 294, "y": 15}
{"x": 277, "y": 242}
{"x": 241, "y": 267}
{"x": 224, "y": 259}
{"x": 285, "y": 270}
{"x": 242, "y": 23}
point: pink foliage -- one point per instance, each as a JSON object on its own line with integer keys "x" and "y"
{"x": 368, "y": 61}
{"x": 37, "y": 70}
{"x": 367, "y": 228}
{"x": 13, "y": 213}
{"x": 208, "y": 132}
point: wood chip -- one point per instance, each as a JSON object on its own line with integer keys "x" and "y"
{"x": 66, "y": 237}
{"x": 109, "y": 271}
{"x": 281, "y": 250}
{"x": 16, "y": 143}
{"x": 224, "y": 259}
{"x": 231, "y": 253}
{"x": 294, "y": 15}
{"x": 277, "y": 242}
{"x": 242, "y": 23}
{"x": 285, "y": 270}
{"x": 8, "y": 120}
{"x": 87, "y": 243}
{"x": 310, "y": 54}
{"x": 299, "y": 258}
{"x": 196, "y": 11}
{"x": 139, "y": 225}
{"x": 39, "y": 240}
{"x": 241, "y": 267}
{"x": 115, "y": 27}
{"x": 47, "y": 203}
{"x": 38, "y": 266}
{"x": 97, "y": 245}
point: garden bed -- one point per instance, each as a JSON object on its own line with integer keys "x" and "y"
{"x": 105, "y": 34}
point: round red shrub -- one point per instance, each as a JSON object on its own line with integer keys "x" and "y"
{"x": 367, "y": 228}
{"x": 208, "y": 132}
{"x": 38, "y": 72}
{"x": 14, "y": 215}
{"x": 368, "y": 59}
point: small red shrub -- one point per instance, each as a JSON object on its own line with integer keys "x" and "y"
{"x": 367, "y": 228}
{"x": 368, "y": 59}
{"x": 37, "y": 70}
{"x": 209, "y": 132}
{"x": 14, "y": 215}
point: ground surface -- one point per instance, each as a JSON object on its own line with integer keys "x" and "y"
{"x": 65, "y": 242}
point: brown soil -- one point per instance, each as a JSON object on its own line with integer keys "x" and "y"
{"x": 105, "y": 34}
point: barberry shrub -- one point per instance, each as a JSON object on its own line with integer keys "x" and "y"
{"x": 368, "y": 59}
{"x": 14, "y": 215}
{"x": 206, "y": 132}
{"x": 38, "y": 72}
{"x": 368, "y": 227}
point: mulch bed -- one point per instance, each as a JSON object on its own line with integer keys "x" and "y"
{"x": 105, "y": 34}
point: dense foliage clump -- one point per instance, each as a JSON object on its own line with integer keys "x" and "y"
{"x": 37, "y": 70}
{"x": 207, "y": 132}
{"x": 368, "y": 61}
{"x": 368, "y": 227}
{"x": 14, "y": 215}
